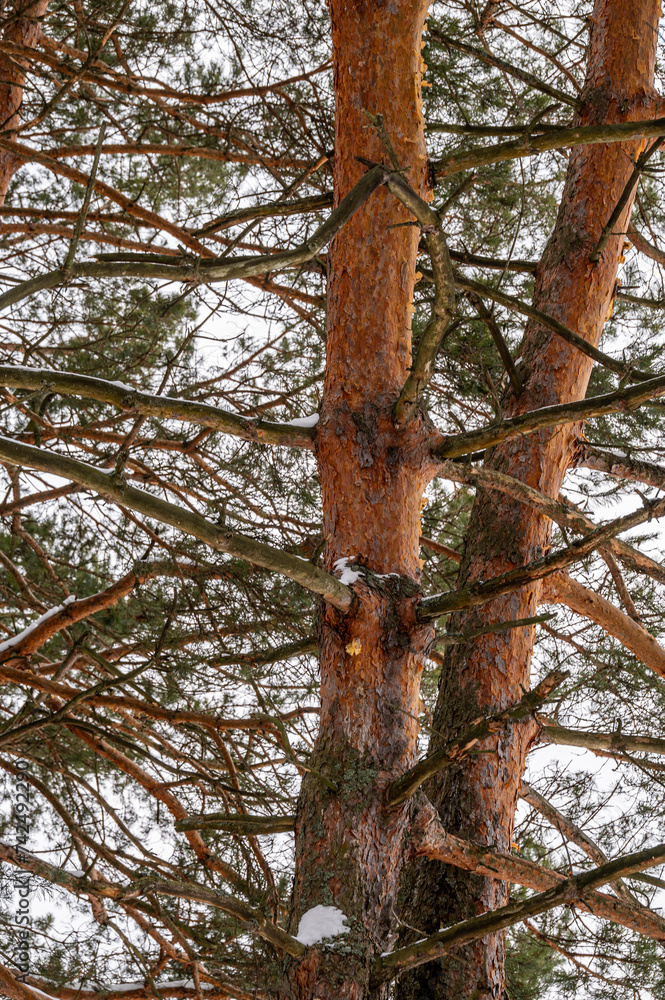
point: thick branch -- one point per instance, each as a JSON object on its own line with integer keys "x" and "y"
{"x": 531, "y": 145}
{"x": 485, "y": 131}
{"x": 402, "y": 789}
{"x": 432, "y": 841}
{"x": 643, "y": 246}
{"x": 619, "y": 401}
{"x": 239, "y": 824}
{"x": 314, "y": 203}
{"x": 564, "y": 514}
{"x": 516, "y": 305}
{"x": 617, "y": 741}
{"x": 563, "y": 589}
{"x": 570, "y": 891}
{"x": 125, "y": 397}
{"x": 621, "y": 466}
{"x": 221, "y": 539}
{"x": 483, "y": 592}
{"x": 206, "y": 270}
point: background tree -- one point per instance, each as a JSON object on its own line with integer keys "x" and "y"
{"x": 267, "y": 383}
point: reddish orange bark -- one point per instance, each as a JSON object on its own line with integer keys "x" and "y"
{"x": 477, "y": 798}
{"x": 23, "y": 28}
{"x": 348, "y": 846}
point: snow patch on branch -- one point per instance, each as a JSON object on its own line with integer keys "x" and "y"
{"x": 310, "y": 421}
{"x": 20, "y": 636}
{"x": 321, "y": 922}
{"x": 346, "y": 575}
{"x": 123, "y": 386}
{"x": 174, "y": 984}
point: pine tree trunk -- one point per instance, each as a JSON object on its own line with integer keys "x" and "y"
{"x": 477, "y": 798}
{"x": 348, "y": 846}
{"x": 23, "y": 28}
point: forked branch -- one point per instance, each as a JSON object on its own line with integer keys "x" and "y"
{"x": 202, "y": 269}
{"x": 619, "y": 401}
{"x": 517, "y": 305}
{"x": 570, "y": 891}
{"x": 564, "y": 514}
{"x": 406, "y": 786}
{"x": 431, "y": 840}
{"x": 483, "y": 592}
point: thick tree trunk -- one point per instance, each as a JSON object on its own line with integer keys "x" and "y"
{"x": 348, "y": 846}
{"x": 23, "y": 27}
{"x": 477, "y": 798}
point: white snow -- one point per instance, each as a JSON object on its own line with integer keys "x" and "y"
{"x": 121, "y": 385}
{"x": 310, "y": 421}
{"x": 346, "y": 575}
{"x": 20, "y": 636}
{"x": 321, "y": 922}
{"x": 174, "y": 984}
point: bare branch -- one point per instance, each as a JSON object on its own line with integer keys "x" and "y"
{"x": 125, "y": 397}
{"x": 570, "y": 891}
{"x": 619, "y": 401}
{"x": 221, "y": 539}
{"x": 531, "y": 145}
{"x": 494, "y": 263}
{"x": 563, "y": 589}
{"x": 403, "y": 788}
{"x": 483, "y": 592}
{"x": 147, "y": 709}
{"x": 501, "y": 346}
{"x": 643, "y": 246}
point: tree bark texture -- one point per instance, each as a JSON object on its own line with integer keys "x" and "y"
{"x": 477, "y": 798}
{"x": 349, "y": 846}
{"x": 23, "y": 28}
